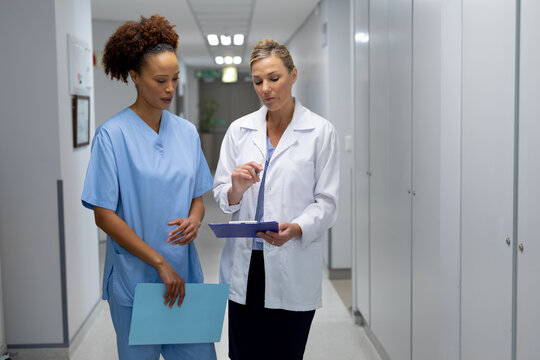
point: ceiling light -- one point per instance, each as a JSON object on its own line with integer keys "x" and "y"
{"x": 228, "y": 60}
{"x": 219, "y": 60}
{"x": 225, "y": 40}
{"x": 212, "y": 39}
{"x": 238, "y": 39}
{"x": 230, "y": 74}
{"x": 237, "y": 60}
{"x": 361, "y": 37}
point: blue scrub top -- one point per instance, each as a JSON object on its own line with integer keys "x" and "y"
{"x": 148, "y": 179}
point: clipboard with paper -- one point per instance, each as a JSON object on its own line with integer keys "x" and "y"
{"x": 242, "y": 229}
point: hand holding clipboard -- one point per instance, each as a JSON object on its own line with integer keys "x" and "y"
{"x": 245, "y": 229}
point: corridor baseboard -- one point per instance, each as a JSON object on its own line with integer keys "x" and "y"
{"x": 380, "y": 349}
{"x": 339, "y": 274}
{"x": 39, "y": 354}
{"x": 54, "y": 351}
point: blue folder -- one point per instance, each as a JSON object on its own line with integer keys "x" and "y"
{"x": 198, "y": 320}
{"x": 248, "y": 229}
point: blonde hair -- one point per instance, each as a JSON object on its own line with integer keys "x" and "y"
{"x": 269, "y": 47}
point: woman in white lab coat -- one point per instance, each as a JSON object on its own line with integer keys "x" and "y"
{"x": 280, "y": 163}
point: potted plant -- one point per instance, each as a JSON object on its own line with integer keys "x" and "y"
{"x": 208, "y": 110}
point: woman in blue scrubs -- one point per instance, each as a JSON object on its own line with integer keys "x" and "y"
{"x": 145, "y": 182}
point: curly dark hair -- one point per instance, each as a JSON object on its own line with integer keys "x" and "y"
{"x": 127, "y": 47}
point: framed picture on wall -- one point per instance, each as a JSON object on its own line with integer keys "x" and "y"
{"x": 81, "y": 120}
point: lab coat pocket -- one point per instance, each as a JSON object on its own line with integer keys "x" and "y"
{"x": 299, "y": 184}
{"x": 304, "y": 275}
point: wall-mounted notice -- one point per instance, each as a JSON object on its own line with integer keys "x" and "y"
{"x": 80, "y": 63}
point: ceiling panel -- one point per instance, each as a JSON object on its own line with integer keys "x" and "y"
{"x": 194, "y": 19}
{"x": 223, "y": 17}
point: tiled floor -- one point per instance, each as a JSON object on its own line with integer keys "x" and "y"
{"x": 333, "y": 334}
{"x": 344, "y": 290}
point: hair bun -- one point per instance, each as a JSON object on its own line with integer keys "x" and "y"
{"x": 125, "y": 48}
{"x": 270, "y": 47}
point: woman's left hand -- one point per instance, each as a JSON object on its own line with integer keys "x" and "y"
{"x": 286, "y": 232}
{"x": 185, "y": 232}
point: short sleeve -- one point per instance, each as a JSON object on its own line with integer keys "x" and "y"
{"x": 203, "y": 177}
{"x": 101, "y": 183}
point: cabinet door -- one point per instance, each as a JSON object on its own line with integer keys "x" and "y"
{"x": 390, "y": 160}
{"x": 426, "y": 161}
{"x": 487, "y": 178}
{"x": 528, "y": 234}
{"x": 361, "y": 281}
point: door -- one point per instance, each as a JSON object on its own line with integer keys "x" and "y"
{"x": 528, "y": 264}
{"x": 390, "y": 184}
{"x": 487, "y": 178}
{"x": 361, "y": 263}
{"x": 426, "y": 168}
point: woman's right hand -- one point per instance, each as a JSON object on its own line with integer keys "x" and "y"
{"x": 173, "y": 282}
{"x": 242, "y": 178}
{"x": 117, "y": 229}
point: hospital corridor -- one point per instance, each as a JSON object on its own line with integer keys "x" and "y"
{"x": 333, "y": 334}
{"x": 401, "y": 139}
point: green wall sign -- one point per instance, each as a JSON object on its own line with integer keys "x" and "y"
{"x": 208, "y": 74}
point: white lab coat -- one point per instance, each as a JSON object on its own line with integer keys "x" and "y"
{"x": 301, "y": 187}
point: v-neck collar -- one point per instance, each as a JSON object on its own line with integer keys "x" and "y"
{"x": 163, "y": 124}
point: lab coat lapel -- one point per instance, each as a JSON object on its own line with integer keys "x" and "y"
{"x": 259, "y": 135}
{"x": 287, "y": 139}
{"x": 298, "y": 123}
{"x": 259, "y": 139}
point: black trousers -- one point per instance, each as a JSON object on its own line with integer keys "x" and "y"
{"x": 257, "y": 333}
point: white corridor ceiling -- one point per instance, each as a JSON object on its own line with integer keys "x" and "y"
{"x": 194, "y": 19}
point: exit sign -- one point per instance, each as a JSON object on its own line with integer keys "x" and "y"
{"x": 208, "y": 74}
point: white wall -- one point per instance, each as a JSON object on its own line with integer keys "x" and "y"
{"x": 36, "y": 146}
{"x": 340, "y": 113}
{"x": 181, "y": 90}
{"x": 29, "y": 148}
{"x": 111, "y": 96}
{"x": 311, "y": 59}
{"x": 321, "y": 52}
{"x": 82, "y": 258}
{"x": 192, "y": 96}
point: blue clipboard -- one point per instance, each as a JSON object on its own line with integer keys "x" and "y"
{"x": 243, "y": 230}
{"x": 198, "y": 320}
